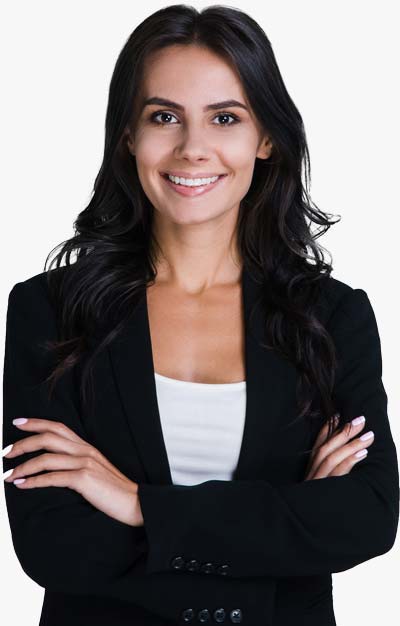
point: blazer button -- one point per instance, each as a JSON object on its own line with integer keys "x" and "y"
{"x": 178, "y": 563}
{"x": 223, "y": 569}
{"x": 203, "y": 615}
{"x": 236, "y": 616}
{"x": 219, "y": 615}
{"x": 187, "y": 615}
{"x": 207, "y": 568}
{"x": 193, "y": 565}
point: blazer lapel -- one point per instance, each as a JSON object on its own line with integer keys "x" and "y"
{"x": 268, "y": 377}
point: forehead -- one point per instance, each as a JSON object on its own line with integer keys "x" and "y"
{"x": 181, "y": 72}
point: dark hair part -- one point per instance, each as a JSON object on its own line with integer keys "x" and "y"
{"x": 115, "y": 251}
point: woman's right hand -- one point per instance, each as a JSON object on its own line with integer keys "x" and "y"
{"x": 336, "y": 457}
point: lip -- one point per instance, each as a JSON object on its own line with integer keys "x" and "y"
{"x": 193, "y": 192}
{"x": 182, "y": 174}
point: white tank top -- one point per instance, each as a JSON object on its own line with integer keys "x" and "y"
{"x": 202, "y": 426}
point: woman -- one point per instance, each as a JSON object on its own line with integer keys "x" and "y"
{"x": 196, "y": 390}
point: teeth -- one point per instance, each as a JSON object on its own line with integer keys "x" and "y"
{"x": 192, "y": 182}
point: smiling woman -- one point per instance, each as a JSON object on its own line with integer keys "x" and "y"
{"x": 196, "y": 382}
{"x": 212, "y": 131}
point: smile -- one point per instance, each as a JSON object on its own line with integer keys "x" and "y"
{"x": 192, "y": 186}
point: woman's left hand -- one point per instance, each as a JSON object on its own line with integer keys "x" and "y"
{"x": 79, "y": 466}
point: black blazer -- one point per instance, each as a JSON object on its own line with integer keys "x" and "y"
{"x": 258, "y": 550}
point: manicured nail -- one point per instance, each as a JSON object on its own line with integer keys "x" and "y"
{"x": 358, "y": 454}
{"x": 367, "y": 435}
{"x": 358, "y": 420}
{"x": 7, "y": 449}
{"x": 19, "y": 480}
{"x": 19, "y": 420}
{"x": 7, "y": 473}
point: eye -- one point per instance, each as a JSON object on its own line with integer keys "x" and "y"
{"x": 154, "y": 116}
{"x": 234, "y": 117}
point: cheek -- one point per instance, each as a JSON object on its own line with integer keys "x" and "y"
{"x": 147, "y": 155}
{"x": 241, "y": 164}
{"x": 238, "y": 152}
{"x": 242, "y": 167}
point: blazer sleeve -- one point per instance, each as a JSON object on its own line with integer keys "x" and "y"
{"x": 299, "y": 529}
{"x": 62, "y": 542}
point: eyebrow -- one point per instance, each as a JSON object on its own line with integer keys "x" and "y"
{"x": 225, "y": 104}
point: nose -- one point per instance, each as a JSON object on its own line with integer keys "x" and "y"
{"x": 192, "y": 145}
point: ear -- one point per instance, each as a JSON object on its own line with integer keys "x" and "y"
{"x": 129, "y": 141}
{"x": 264, "y": 148}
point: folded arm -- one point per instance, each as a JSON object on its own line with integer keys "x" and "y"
{"x": 254, "y": 528}
{"x": 62, "y": 542}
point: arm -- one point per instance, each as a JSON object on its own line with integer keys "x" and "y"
{"x": 302, "y": 529}
{"x": 62, "y": 542}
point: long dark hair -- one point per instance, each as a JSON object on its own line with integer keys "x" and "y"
{"x": 113, "y": 244}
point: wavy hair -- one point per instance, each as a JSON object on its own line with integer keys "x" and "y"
{"x": 115, "y": 259}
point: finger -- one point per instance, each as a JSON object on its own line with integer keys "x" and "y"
{"x": 340, "y": 455}
{"x": 54, "y": 442}
{"x": 46, "y": 462}
{"x": 347, "y": 465}
{"x": 60, "y": 441}
{"x": 350, "y": 429}
{"x": 53, "y": 479}
{"x": 321, "y": 438}
{"x": 48, "y": 441}
{"x": 319, "y": 454}
{"x": 38, "y": 425}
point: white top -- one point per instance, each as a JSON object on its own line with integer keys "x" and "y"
{"x": 202, "y": 426}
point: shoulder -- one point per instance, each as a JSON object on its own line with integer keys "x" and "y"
{"x": 31, "y": 297}
{"x": 344, "y": 306}
{"x": 36, "y": 285}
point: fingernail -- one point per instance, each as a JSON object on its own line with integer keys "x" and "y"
{"x": 367, "y": 435}
{"x": 358, "y": 454}
{"x": 19, "y": 420}
{"x": 19, "y": 480}
{"x": 7, "y": 449}
{"x": 358, "y": 420}
{"x": 7, "y": 473}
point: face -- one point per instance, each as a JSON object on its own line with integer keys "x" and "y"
{"x": 190, "y": 139}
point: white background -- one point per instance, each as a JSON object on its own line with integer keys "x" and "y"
{"x": 339, "y": 61}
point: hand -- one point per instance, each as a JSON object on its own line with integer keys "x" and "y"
{"x": 336, "y": 456}
{"x": 80, "y": 467}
